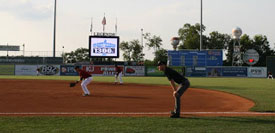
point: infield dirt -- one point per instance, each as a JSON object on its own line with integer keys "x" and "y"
{"x": 49, "y": 96}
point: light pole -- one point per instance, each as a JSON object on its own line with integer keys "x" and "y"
{"x": 201, "y": 29}
{"x": 63, "y": 54}
{"x": 54, "y": 29}
{"x": 141, "y": 41}
{"x": 7, "y": 49}
{"x": 141, "y": 37}
{"x": 23, "y": 49}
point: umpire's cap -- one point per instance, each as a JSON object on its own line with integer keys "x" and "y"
{"x": 161, "y": 63}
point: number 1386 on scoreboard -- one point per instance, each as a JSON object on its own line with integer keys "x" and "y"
{"x": 104, "y": 50}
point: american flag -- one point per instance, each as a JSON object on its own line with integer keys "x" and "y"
{"x": 104, "y": 21}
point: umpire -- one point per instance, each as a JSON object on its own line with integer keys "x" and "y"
{"x": 183, "y": 84}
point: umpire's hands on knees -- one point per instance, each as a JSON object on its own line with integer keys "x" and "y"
{"x": 176, "y": 94}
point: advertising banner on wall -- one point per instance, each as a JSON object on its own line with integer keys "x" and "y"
{"x": 134, "y": 71}
{"x": 26, "y": 70}
{"x": 37, "y": 70}
{"x": 214, "y": 58}
{"x": 214, "y": 71}
{"x": 49, "y": 70}
{"x": 101, "y": 70}
{"x": 6, "y": 69}
{"x": 234, "y": 71}
{"x": 196, "y": 72}
{"x": 257, "y": 72}
{"x": 194, "y": 58}
{"x": 153, "y": 71}
{"x": 68, "y": 70}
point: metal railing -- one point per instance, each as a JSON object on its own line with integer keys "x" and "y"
{"x": 31, "y": 53}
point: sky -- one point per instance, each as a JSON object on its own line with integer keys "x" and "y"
{"x": 30, "y": 22}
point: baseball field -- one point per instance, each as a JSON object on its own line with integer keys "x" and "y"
{"x": 140, "y": 105}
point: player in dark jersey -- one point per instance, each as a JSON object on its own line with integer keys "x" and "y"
{"x": 118, "y": 75}
{"x": 269, "y": 75}
{"x": 183, "y": 84}
{"x": 85, "y": 79}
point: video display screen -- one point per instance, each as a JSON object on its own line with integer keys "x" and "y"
{"x": 104, "y": 46}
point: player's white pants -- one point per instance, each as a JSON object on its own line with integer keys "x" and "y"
{"x": 84, "y": 84}
{"x": 269, "y": 76}
{"x": 119, "y": 76}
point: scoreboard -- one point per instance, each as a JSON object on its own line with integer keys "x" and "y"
{"x": 104, "y": 46}
{"x": 195, "y": 58}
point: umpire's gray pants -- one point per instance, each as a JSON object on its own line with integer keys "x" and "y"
{"x": 181, "y": 89}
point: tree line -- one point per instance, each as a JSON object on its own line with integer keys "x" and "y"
{"x": 190, "y": 39}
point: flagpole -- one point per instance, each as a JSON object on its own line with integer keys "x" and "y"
{"x": 116, "y": 27}
{"x": 103, "y": 29}
{"x": 91, "y": 30}
{"x": 104, "y": 22}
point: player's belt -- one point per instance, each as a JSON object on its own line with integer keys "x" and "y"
{"x": 184, "y": 81}
{"x": 88, "y": 77}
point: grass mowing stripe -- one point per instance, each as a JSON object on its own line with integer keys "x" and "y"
{"x": 136, "y": 124}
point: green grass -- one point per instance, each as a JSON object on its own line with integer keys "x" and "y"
{"x": 259, "y": 90}
{"x": 136, "y": 124}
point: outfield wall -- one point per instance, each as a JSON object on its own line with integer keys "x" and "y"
{"x": 195, "y": 58}
{"x": 251, "y": 72}
{"x": 7, "y": 69}
{"x": 270, "y": 63}
{"x": 109, "y": 70}
{"x": 68, "y": 70}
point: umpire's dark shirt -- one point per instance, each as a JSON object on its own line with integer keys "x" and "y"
{"x": 174, "y": 75}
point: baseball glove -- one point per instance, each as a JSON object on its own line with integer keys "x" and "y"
{"x": 73, "y": 84}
